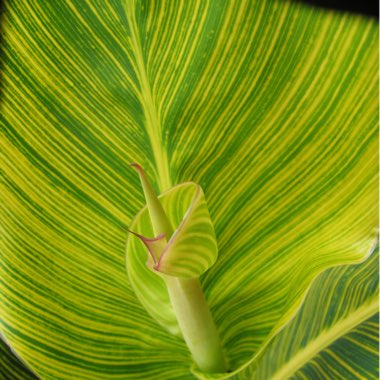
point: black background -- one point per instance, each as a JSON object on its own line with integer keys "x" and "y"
{"x": 365, "y": 7}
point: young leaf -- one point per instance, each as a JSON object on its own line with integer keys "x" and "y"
{"x": 190, "y": 251}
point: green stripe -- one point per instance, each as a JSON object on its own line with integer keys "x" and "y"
{"x": 335, "y": 334}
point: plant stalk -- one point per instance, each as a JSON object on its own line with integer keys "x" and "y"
{"x": 195, "y": 320}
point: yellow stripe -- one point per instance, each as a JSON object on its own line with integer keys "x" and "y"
{"x": 325, "y": 339}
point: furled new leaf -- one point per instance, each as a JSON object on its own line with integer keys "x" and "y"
{"x": 191, "y": 249}
{"x": 188, "y": 253}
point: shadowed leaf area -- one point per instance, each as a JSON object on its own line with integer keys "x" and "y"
{"x": 11, "y": 367}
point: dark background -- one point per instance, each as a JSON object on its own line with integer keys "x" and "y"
{"x": 365, "y": 7}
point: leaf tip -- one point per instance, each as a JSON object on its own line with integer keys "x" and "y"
{"x": 137, "y": 167}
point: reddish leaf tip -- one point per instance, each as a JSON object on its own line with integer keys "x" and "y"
{"x": 137, "y": 167}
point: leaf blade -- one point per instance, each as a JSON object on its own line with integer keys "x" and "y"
{"x": 346, "y": 318}
{"x": 288, "y": 102}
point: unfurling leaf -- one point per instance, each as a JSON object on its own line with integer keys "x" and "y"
{"x": 181, "y": 255}
{"x": 188, "y": 253}
{"x": 192, "y": 248}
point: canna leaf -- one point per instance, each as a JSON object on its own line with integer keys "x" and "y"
{"x": 270, "y": 106}
{"x": 335, "y": 334}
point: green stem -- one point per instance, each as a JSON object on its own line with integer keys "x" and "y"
{"x": 196, "y": 323}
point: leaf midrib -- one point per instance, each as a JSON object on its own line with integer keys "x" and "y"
{"x": 153, "y": 124}
{"x": 325, "y": 339}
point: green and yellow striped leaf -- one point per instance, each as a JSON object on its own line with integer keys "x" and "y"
{"x": 270, "y": 106}
{"x": 335, "y": 334}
